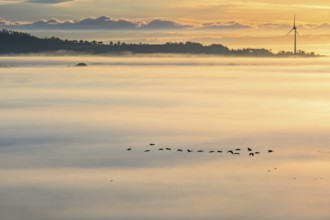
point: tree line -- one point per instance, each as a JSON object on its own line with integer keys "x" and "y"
{"x": 13, "y": 42}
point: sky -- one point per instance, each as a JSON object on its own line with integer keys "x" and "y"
{"x": 257, "y": 11}
{"x": 257, "y": 23}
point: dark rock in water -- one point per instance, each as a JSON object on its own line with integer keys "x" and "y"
{"x": 81, "y": 64}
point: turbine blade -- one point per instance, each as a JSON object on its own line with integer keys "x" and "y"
{"x": 289, "y": 32}
{"x": 294, "y": 23}
{"x": 297, "y": 33}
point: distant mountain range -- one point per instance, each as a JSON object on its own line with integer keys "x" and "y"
{"x": 12, "y": 42}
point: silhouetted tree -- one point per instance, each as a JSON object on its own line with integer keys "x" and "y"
{"x": 18, "y": 42}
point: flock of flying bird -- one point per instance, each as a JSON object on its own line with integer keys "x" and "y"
{"x": 236, "y": 151}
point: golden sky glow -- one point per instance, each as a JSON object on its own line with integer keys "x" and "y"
{"x": 196, "y": 10}
{"x": 236, "y": 23}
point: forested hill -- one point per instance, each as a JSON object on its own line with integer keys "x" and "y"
{"x": 12, "y": 42}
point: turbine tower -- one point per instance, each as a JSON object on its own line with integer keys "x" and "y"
{"x": 294, "y": 29}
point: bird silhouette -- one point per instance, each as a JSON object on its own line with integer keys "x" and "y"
{"x": 180, "y": 150}
{"x": 249, "y": 149}
{"x": 251, "y": 154}
{"x": 219, "y": 151}
{"x": 189, "y": 151}
{"x": 238, "y": 149}
{"x": 161, "y": 149}
{"x": 147, "y": 151}
{"x": 129, "y": 149}
{"x": 230, "y": 151}
{"x": 168, "y": 148}
{"x": 211, "y": 152}
{"x": 200, "y": 151}
{"x": 237, "y": 154}
{"x": 270, "y": 151}
{"x": 152, "y": 144}
{"x": 257, "y": 152}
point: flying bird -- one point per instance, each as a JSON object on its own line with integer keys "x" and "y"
{"x": 200, "y": 151}
{"x": 147, "y": 151}
{"x": 270, "y": 151}
{"x": 251, "y": 154}
{"x": 152, "y": 144}
{"x": 129, "y": 149}
{"x": 189, "y": 151}
{"x": 219, "y": 151}
{"x": 230, "y": 151}
{"x": 180, "y": 150}
{"x": 249, "y": 149}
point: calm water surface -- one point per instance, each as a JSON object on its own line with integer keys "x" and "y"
{"x": 64, "y": 132}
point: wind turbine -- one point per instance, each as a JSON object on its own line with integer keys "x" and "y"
{"x": 294, "y": 29}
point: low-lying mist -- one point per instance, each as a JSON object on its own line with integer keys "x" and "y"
{"x": 65, "y": 131}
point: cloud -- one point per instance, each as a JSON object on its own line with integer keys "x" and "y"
{"x": 274, "y": 26}
{"x": 109, "y": 23}
{"x": 5, "y": 2}
{"x": 102, "y": 22}
{"x": 163, "y": 24}
{"x": 323, "y": 26}
{"x": 7, "y": 23}
{"x": 48, "y": 1}
{"x": 4, "y": 22}
{"x": 225, "y": 26}
{"x": 278, "y": 26}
